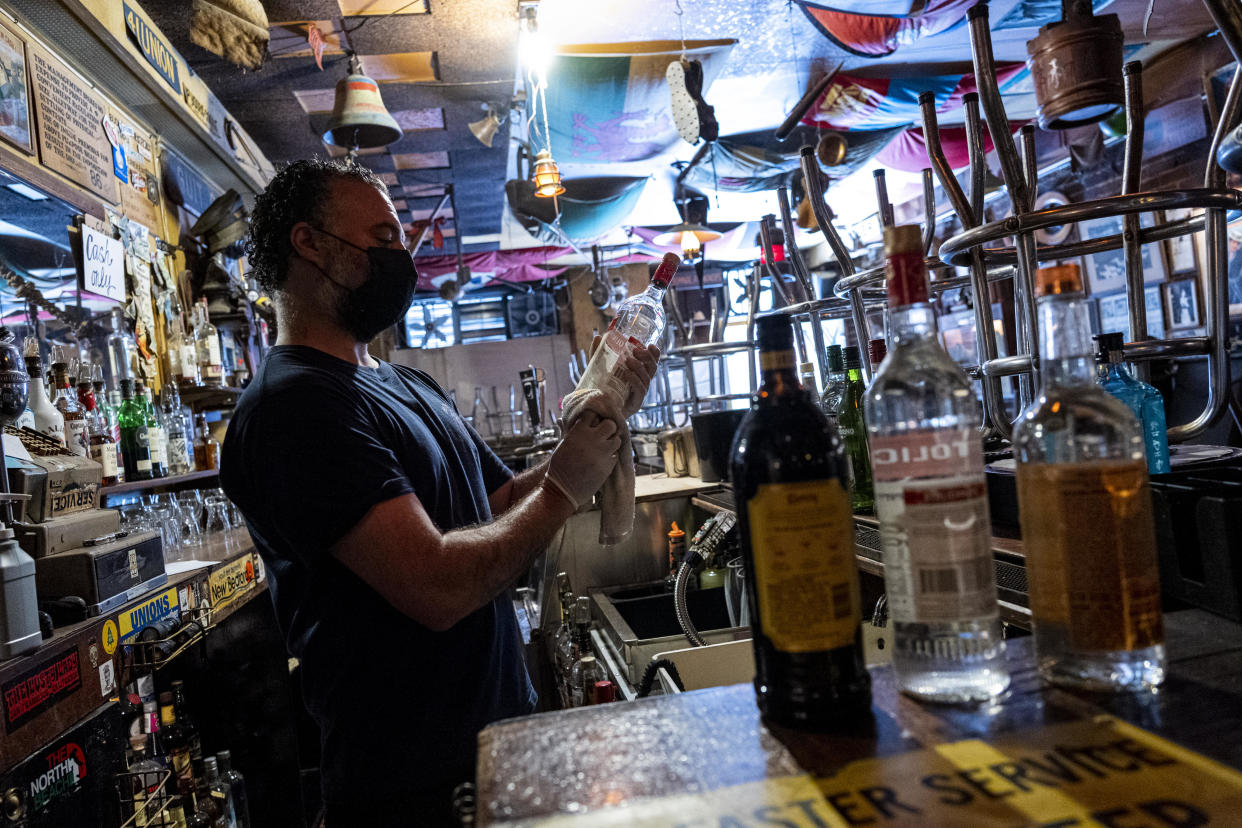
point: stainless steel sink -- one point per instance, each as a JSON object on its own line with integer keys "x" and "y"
{"x": 637, "y": 621}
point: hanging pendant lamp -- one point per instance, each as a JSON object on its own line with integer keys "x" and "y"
{"x": 359, "y": 119}
{"x": 547, "y": 176}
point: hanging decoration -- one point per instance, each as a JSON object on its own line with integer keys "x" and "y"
{"x": 609, "y": 103}
{"x": 754, "y": 162}
{"x": 236, "y": 30}
{"x": 875, "y": 29}
{"x": 590, "y": 207}
{"x": 908, "y": 149}
{"x": 850, "y": 102}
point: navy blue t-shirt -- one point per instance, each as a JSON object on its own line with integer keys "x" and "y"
{"x": 316, "y": 442}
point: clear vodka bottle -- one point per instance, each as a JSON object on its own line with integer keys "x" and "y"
{"x": 931, "y": 500}
{"x": 641, "y": 317}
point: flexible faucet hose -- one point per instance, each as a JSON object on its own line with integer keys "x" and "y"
{"x": 680, "y": 607}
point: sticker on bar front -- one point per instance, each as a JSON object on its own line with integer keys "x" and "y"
{"x": 1100, "y": 772}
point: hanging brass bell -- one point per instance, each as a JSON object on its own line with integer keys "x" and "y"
{"x": 359, "y": 119}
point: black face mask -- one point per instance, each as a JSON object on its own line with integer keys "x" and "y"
{"x": 382, "y": 300}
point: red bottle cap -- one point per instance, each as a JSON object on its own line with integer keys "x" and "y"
{"x": 906, "y": 273}
{"x": 664, "y": 273}
{"x": 877, "y": 349}
{"x": 605, "y": 691}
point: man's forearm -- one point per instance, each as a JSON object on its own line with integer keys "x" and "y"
{"x": 525, "y": 483}
{"x": 493, "y": 556}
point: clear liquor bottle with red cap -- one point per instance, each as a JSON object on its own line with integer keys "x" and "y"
{"x": 931, "y": 499}
{"x": 639, "y": 318}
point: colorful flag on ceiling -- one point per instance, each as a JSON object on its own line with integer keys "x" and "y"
{"x": 875, "y": 29}
{"x": 609, "y": 103}
{"x": 1030, "y": 13}
{"x": 851, "y": 102}
{"x": 908, "y": 151}
{"x": 755, "y": 161}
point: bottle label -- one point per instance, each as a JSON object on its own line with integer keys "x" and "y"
{"x": 776, "y": 360}
{"x": 189, "y": 359}
{"x": 105, "y": 455}
{"x": 940, "y": 453}
{"x": 142, "y": 442}
{"x": 932, "y": 504}
{"x": 177, "y": 458}
{"x": 77, "y": 437}
{"x": 212, "y": 368}
{"x": 1093, "y": 578}
{"x": 174, "y": 361}
{"x": 806, "y": 580}
{"x": 159, "y": 450}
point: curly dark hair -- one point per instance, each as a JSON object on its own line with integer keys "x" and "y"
{"x": 298, "y": 193}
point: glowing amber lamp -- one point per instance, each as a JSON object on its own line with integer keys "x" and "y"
{"x": 546, "y": 175}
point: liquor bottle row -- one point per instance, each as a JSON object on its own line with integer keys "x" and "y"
{"x": 170, "y": 781}
{"x": 581, "y": 678}
{"x": 123, "y": 430}
{"x": 194, "y": 357}
{"x": 911, "y": 444}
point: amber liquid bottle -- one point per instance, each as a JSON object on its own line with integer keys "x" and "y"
{"x": 797, "y": 534}
{"x": 1086, "y": 511}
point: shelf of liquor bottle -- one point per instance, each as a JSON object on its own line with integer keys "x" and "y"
{"x": 204, "y": 397}
{"x": 670, "y": 746}
{"x": 80, "y": 667}
{"x": 159, "y": 482}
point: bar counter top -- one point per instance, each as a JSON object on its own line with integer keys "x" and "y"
{"x": 583, "y": 763}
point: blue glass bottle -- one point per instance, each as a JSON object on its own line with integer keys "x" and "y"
{"x": 1143, "y": 399}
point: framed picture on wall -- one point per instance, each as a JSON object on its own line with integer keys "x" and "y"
{"x": 1155, "y": 311}
{"x": 1106, "y": 272}
{"x": 1181, "y": 251}
{"x": 1181, "y": 304}
{"x": 1114, "y": 314}
{"x": 1234, "y": 271}
{"x": 14, "y": 91}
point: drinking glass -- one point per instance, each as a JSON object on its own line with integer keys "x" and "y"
{"x": 735, "y": 593}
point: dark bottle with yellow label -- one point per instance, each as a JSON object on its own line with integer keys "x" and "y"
{"x": 790, "y": 481}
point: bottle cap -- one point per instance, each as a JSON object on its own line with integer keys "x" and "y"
{"x": 774, "y": 333}
{"x": 836, "y": 362}
{"x": 1058, "y": 279}
{"x": 665, "y": 270}
{"x": 906, "y": 274}
{"x": 605, "y": 691}
{"x": 853, "y": 357}
{"x": 676, "y": 533}
{"x": 903, "y": 238}
{"x": 877, "y": 349}
{"x": 587, "y": 659}
{"x": 1109, "y": 345}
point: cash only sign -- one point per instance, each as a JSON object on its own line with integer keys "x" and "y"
{"x": 1103, "y": 773}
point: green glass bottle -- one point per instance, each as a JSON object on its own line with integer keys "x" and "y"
{"x": 135, "y": 441}
{"x": 853, "y": 431}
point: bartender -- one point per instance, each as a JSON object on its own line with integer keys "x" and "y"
{"x": 389, "y": 528}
